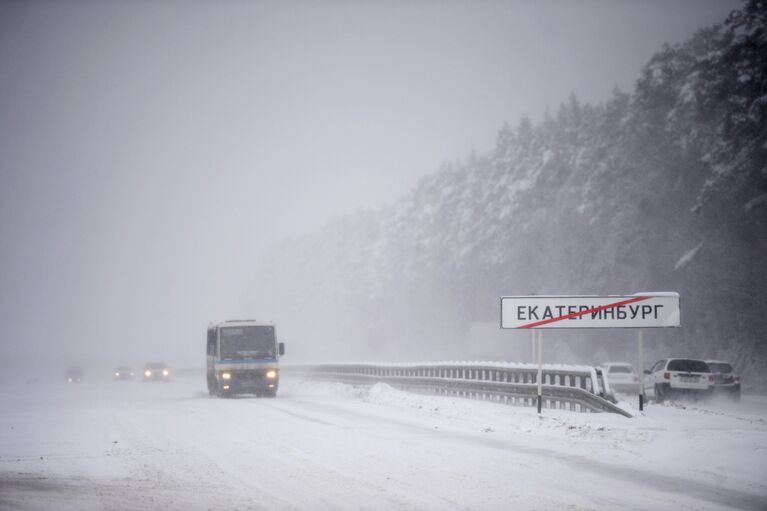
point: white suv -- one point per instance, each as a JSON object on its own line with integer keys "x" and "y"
{"x": 678, "y": 376}
{"x": 621, "y": 377}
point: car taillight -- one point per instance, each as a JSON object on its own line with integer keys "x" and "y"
{"x": 711, "y": 378}
{"x": 666, "y": 376}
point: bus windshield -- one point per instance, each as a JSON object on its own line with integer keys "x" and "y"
{"x": 246, "y": 342}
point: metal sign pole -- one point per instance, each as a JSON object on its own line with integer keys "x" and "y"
{"x": 532, "y": 345}
{"x": 641, "y": 369}
{"x": 540, "y": 369}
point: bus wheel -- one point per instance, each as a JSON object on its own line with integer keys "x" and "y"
{"x": 212, "y": 386}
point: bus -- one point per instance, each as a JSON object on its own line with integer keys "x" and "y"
{"x": 243, "y": 358}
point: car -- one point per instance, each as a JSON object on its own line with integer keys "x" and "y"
{"x": 74, "y": 374}
{"x": 621, "y": 377}
{"x": 123, "y": 373}
{"x": 156, "y": 371}
{"x": 725, "y": 380}
{"x": 675, "y": 377}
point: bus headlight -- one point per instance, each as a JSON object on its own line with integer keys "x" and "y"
{"x": 165, "y": 372}
{"x": 147, "y": 373}
{"x": 271, "y": 374}
{"x": 226, "y": 376}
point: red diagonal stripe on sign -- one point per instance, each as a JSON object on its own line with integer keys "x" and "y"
{"x": 589, "y": 311}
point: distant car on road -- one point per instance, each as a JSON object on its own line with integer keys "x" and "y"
{"x": 74, "y": 374}
{"x": 123, "y": 373}
{"x": 725, "y": 379}
{"x": 156, "y": 371}
{"x": 673, "y": 377}
{"x": 621, "y": 377}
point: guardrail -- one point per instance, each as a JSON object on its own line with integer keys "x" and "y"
{"x": 574, "y": 388}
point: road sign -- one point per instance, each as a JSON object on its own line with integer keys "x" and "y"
{"x": 643, "y": 310}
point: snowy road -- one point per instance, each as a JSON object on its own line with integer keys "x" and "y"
{"x": 128, "y": 445}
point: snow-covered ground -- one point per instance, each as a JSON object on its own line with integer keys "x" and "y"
{"x": 129, "y": 445}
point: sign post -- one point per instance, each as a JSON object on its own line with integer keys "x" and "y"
{"x": 640, "y": 346}
{"x": 540, "y": 370}
{"x": 641, "y": 310}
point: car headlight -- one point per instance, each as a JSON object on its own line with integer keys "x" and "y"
{"x": 271, "y": 374}
{"x": 147, "y": 373}
{"x": 226, "y": 376}
{"x": 165, "y": 372}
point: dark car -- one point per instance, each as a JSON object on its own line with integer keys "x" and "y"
{"x": 123, "y": 373}
{"x": 74, "y": 374}
{"x": 156, "y": 371}
{"x": 725, "y": 379}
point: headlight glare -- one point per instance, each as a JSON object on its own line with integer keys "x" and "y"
{"x": 271, "y": 374}
{"x": 226, "y": 376}
{"x": 165, "y": 372}
{"x": 147, "y": 373}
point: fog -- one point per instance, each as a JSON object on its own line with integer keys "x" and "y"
{"x": 150, "y": 153}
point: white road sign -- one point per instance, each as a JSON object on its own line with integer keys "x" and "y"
{"x": 643, "y": 310}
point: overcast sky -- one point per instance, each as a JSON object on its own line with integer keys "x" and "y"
{"x": 150, "y": 150}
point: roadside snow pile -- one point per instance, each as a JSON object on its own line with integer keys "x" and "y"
{"x": 497, "y": 417}
{"x": 709, "y": 443}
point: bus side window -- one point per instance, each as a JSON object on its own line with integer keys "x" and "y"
{"x": 212, "y": 342}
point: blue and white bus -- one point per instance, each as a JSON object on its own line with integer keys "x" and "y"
{"x": 243, "y": 358}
